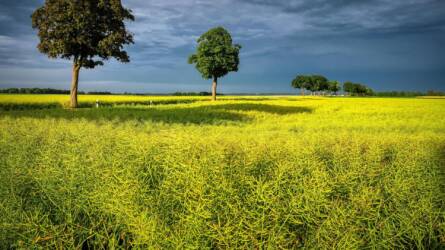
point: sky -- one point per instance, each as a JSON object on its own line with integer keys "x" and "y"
{"x": 385, "y": 44}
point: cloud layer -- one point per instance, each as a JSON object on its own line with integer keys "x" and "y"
{"x": 387, "y": 44}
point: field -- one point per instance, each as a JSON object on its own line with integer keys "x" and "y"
{"x": 241, "y": 172}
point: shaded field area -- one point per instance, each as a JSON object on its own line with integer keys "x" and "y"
{"x": 51, "y": 101}
{"x": 44, "y": 101}
{"x": 269, "y": 172}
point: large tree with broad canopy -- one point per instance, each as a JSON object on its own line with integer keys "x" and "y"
{"x": 85, "y": 31}
{"x": 216, "y": 56}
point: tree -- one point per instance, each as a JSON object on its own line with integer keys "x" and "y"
{"x": 300, "y": 82}
{"x": 357, "y": 89}
{"x": 320, "y": 83}
{"x": 348, "y": 87}
{"x": 311, "y": 84}
{"x": 369, "y": 91}
{"x": 215, "y": 56}
{"x": 334, "y": 87}
{"x": 85, "y": 31}
{"x": 363, "y": 90}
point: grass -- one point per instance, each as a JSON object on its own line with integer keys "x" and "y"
{"x": 282, "y": 172}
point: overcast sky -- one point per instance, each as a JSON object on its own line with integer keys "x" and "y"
{"x": 386, "y": 44}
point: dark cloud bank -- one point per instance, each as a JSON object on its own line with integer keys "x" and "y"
{"x": 390, "y": 45}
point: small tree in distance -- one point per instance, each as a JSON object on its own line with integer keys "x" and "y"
{"x": 334, "y": 87}
{"x": 357, "y": 89}
{"x": 300, "y": 82}
{"x": 313, "y": 83}
{"x": 86, "y": 32}
{"x": 320, "y": 83}
{"x": 348, "y": 87}
{"x": 216, "y": 56}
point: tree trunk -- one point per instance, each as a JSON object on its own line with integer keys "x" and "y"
{"x": 214, "y": 84}
{"x": 302, "y": 92}
{"x": 74, "y": 85}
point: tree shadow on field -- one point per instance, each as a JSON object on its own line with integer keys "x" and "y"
{"x": 256, "y": 107}
{"x": 205, "y": 114}
{"x": 242, "y": 98}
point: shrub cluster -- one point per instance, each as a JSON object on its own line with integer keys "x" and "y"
{"x": 357, "y": 89}
{"x": 316, "y": 84}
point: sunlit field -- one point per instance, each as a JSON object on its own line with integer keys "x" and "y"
{"x": 241, "y": 172}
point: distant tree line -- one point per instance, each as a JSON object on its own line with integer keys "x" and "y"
{"x": 320, "y": 85}
{"x": 99, "y": 93}
{"x": 33, "y": 91}
{"x": 316, "y": 84}
{"x": 202, "y": 93}
{"x": 65, "y": 92}
{"x": 357, "y": 89}
{"x": 48, "y": 91}
{"x": 409, "y": 93}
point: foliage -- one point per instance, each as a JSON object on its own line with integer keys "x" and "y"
{"x": 319, "y": 83}
{"x": 334, "y": 87}
{"x": 300, "y": 81}
{"x": 435, "y": 93}
{"x": 348, "y": 87}
{"x": 312, "y": 83}
{"x": 47, "y": 91}
{"x": 399, "y": 93}
{"x": 33, "y": 91}
{"x": 216, "y": 55}
{"x": 409, "y": 93}
{"x": 84, "y": 30}
{"x": 357, "y": 89}
{"x": 99, "y": 93}
{"x": 279, "y": 173}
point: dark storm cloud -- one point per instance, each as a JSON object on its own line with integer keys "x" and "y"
{"x": 388, "y": 44}
{"x": 365, "y": 15}
{"x": 311, "y": 6}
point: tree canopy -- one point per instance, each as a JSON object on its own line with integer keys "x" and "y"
{"x": 348, "y": 86}
{"x": 89, "y": 31}
{"x": 334, "y": 86}
{"x": 216, "y": 56}
{"x": 312, "y": 83}
{"x": 357, "y": 89}
{"x": 86, "y": 31}
{"x": 320, "y": 85}
{"x": 301, "y": 82}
